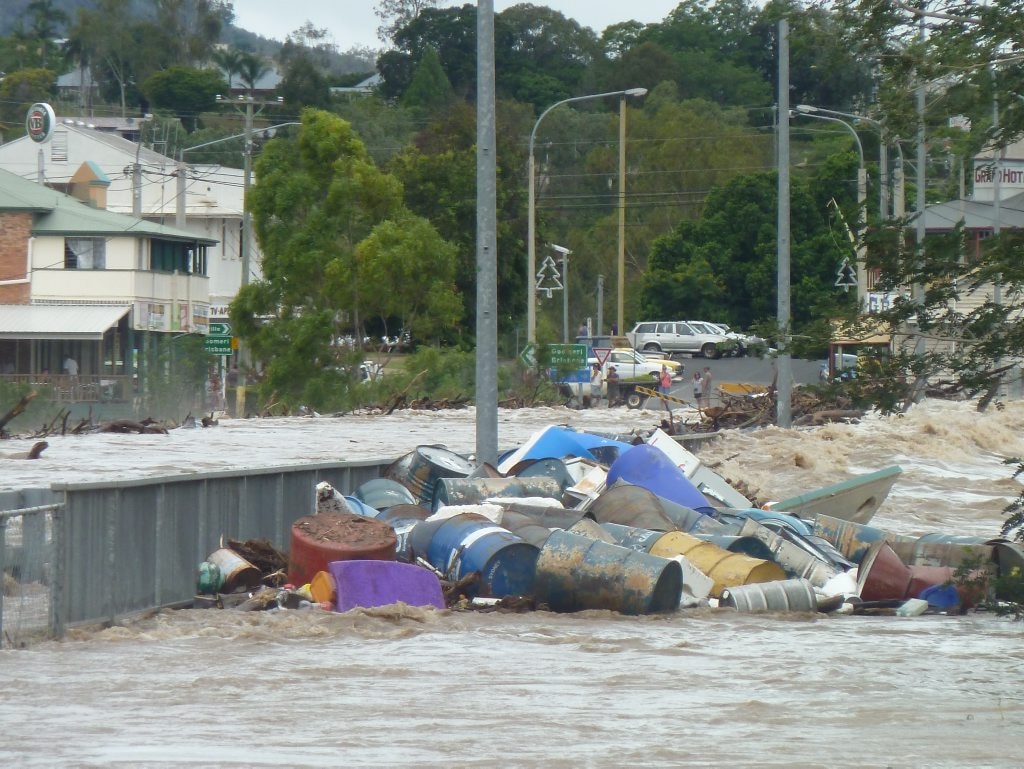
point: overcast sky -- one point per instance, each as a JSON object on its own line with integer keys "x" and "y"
{"x": 353, "y": 23}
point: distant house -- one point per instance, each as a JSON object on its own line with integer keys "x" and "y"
{"x": 213, "y": 201}
{"x": 78, "y": 85}
{"x": 265, "y": 85}
{"x": 104, "y": 289}
{"x": 367, "y": 86}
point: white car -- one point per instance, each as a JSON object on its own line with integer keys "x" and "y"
{"x": 629, "y": 364}
{"x": 743, "y": 341}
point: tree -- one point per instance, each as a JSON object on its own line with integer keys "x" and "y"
{"x": 185, "y": 90}
{"x": 229, "y": 61}
{"x": 395, "y": 14}
{"x": 405, "y": 270}
{"x": 20, "y": 89}
{"x": 113, "y": 47}
{"x": 316, "y": 199}
{"x": 429, "y": 88}
{"x": 304, "y": 84}
{"x": 252, "y": 67}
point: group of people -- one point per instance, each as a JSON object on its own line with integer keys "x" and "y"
{"x": 702, "y": 387}
{"x": 702, "y": 381}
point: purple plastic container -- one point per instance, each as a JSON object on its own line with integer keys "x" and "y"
{"x": 379, "y": 583}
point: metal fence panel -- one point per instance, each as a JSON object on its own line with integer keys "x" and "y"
{"x": 130, "y": 546}
{"x": 26, "y": 554}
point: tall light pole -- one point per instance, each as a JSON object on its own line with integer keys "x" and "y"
{"x": 862, "y": 194}
{"x": 531, "y": 235}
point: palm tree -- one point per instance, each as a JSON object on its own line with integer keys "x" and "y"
{"x": 251, "y": 67}
{"x": 229, "y": 60}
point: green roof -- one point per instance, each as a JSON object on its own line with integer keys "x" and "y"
{"x": 60, "y": 214}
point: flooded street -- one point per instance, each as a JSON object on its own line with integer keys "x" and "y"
{"x": 390, "y": 687}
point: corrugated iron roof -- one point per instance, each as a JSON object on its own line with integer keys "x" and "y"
{"x": 58, "y": 321}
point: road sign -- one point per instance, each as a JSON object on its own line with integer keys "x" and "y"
{"x": 220, "y": 328}
{"x": 217, "y": 344}
{"x": 529, "y": 355}
{"x": 568, "y": 356}
{"x": 602, "y": 353}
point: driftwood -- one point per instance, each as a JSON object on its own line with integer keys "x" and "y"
{"x": 130, "y": 426}
{"x": 399, "y": 398}
{"x": 37, "y": 450}
{"x": 18, "y": 408}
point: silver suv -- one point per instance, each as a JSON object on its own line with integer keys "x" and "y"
{"x": 675, "y": 336}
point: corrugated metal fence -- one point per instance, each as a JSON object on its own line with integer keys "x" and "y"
{"x": 89, "y": 553}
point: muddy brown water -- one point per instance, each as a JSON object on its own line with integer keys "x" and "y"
{"x": 410, "y": 687}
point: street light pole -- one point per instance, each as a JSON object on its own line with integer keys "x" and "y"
{"x": 531, "y": 235}
{"x": 862, "y": 194}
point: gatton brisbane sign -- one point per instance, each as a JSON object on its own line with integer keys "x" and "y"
{"x": 39, "y": 122}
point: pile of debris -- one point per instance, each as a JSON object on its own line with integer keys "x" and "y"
{"x": 573, "y": 521}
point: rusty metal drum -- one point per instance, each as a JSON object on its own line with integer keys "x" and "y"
{"x": 784, "y": 595}
{"x": 575, "y": 573}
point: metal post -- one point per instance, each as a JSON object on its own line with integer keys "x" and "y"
{"x": 531, "y": 214}
{"x": 246, "y": 184}
{"x": 784, "y": 383}
{"x": 565, "y": 296}
{"x": 621, "y": 285}
{"x": 486, "y": 242}
{"x": 600, "y": 304}
{"x": 180, "y": 201}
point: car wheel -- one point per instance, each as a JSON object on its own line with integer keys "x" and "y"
{"x": 710, "y": 350}
{"x": 633, "y": 400}
{"x": 652, "y": 347}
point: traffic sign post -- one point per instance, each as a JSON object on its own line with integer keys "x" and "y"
{"x": 602, "y": 354}
{"x": 568, "y": 356}
{"x": 217, "y": 345}
{"x": 529, "y": 355}
{"x": 220, "y": 328}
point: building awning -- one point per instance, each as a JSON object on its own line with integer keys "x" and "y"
{"x": 78, "y": 322}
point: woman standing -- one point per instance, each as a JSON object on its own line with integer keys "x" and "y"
{"x": 596, "y": 380}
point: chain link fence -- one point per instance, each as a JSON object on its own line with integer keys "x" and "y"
{"x": 26, "y": 558}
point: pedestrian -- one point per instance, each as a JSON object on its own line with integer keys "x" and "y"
{"x": 665, "y": 386}
{"x": 705, "y": 387}
{"x": 71, "y": 367}
{"x": 582, "y": 330}
{"x": 615, "y": 329}
{"x": 596, "y": 380}
{"x": 612, "y": 383}
{"x": 698, "y": 387}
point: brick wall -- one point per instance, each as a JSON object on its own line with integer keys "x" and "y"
{"x": 15, "y": 230}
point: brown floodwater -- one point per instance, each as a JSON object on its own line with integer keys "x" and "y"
{"x": 410, "y": 687}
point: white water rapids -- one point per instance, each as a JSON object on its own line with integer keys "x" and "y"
{"x": 416, "y": 687}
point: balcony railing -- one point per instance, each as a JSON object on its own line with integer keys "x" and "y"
{"x": 87, "y": 388}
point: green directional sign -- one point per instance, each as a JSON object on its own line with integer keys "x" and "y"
{"x": 529, "y": 355}
{"x": 217, "y": 345}
{"x": 220, "y": 328}
{"x": 568, "y": 356}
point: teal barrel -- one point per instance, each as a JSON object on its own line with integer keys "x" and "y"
{"x": 576, "y": 573}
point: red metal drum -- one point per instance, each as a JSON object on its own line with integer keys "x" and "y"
{"x": 317, "y": 540}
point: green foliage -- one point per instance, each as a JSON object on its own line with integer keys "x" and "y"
{"x": 338, "y": 247}
{"x": 20, "y": 89}
{"x": 174, "y": 379}
{"x": 185, "y": 90}
{"x": 441, "y": 373}
{"x": 304, "y": 84}
{"x": 429, "y": 88}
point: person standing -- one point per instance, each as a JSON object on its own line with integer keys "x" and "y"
{"x": 596, "y": 379}
{"x": 665, "y": 386}
{"x": 698, "y": 388}
{"x": 612, "y": 382}
{"x": 705, "y": 387}
{"x": 71, "y": 369}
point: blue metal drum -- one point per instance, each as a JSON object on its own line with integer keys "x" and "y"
{"x": 649, "y": 467}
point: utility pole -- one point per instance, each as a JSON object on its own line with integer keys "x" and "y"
{"x": 486, "y": 240}
{"x": 784, "y": 369}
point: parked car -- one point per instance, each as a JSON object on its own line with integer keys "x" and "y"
{"x": 677, "y": 336}
{"x": 739, "y": 343}
{"x": 632, "y": 365}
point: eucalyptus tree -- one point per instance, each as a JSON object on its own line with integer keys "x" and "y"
{"x": 339, "y": 246}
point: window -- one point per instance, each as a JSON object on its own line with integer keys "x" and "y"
{"x": 176, "y": 256}
{"x": 85, "y": 254}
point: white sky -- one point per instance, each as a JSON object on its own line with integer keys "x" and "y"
{"x": 353, "y": 23}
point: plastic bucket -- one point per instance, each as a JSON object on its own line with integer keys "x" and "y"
{"x": 796, "y": 561}
{"x": 724, "y": 568}
{"x": 420, "y": 469}
{"x": 575, "y": 573}
{"x": 784, "y": 595}
{"x": 463, "y": 544}
{"x": 472, "y": 491}
{"x": 651, "y": 468}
